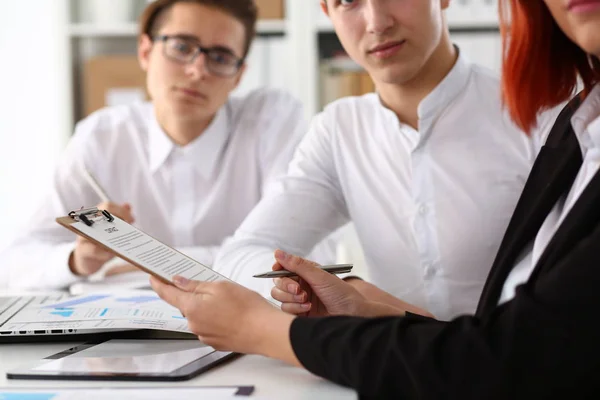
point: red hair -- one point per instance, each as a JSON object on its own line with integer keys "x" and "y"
{"x": 541, "y": 64}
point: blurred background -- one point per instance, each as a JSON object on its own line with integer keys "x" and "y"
{"x": 63, "y": 59}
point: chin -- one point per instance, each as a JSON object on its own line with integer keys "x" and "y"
{"x": 185, "y": 107}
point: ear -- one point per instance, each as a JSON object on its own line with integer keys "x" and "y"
{"x": 445, "y": 4}
{"x": 240, "y": 74}
{"x": 143, "y": 52}
{"x": 324, "y": 7}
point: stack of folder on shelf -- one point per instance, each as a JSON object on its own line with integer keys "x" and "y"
{"x": 341, "y": 77}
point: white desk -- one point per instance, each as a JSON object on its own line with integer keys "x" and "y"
{"x": 272, "y": 379}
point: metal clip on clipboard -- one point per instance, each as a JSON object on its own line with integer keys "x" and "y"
{"x": 89, "y": 215}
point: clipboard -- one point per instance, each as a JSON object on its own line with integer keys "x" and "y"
{"x": 135, "y": 246}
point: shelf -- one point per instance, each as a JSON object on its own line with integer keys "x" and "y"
{"x": 272, "y": 26}
{"x": 324, "y": 25}
{"x": 264, "y": 28}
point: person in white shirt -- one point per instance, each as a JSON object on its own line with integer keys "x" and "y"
{"x": 428, "y": 169}
{"x": 186, "y": 168}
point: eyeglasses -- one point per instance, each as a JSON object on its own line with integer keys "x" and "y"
{"x": 184, "y": 50}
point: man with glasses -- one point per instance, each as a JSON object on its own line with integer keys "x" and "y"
{"x": 187, "y": 167}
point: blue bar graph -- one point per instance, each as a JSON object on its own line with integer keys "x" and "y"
{"x": 65, "y": 312}
{"x": 80, "y": 300}
{"x": 138, "y": 299}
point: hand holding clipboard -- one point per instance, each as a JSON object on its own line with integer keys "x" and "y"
{"x": 117, "y": 236}
{"x": 88, "y": 258}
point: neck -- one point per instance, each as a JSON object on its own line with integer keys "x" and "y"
{"x": 404, "y": 98}
{"x": 182, "y": 131}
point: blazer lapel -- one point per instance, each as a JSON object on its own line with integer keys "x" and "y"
{"x": 579, "y": 222}
{"x": 552, "y": 175}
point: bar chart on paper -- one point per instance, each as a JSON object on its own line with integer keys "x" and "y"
{"x": 125, "y": 310}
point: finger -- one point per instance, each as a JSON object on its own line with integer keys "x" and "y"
{"x": 129, "y": 213}
{"x": 287, "y": 285}
{"x": 189, "y": 285}
{"x": 286, "y": 297}
{"x": 295, "y": 308}
{"x": 276, "y": 266}
{"x": 169, "y": 293}
{"x": 309, "y": 271}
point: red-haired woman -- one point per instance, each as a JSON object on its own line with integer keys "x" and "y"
{"x": 535, "y": 333}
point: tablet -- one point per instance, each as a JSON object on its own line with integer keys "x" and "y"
{"x": 126, "y": 360}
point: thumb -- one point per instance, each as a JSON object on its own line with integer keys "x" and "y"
{"x": 309, "y": 271}
{"x": 126, "y": 211}
{"x": 186, "y": 284}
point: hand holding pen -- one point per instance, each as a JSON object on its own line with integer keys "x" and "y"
{"x": 313, "y": 292}
{"x": 88, "y": 258}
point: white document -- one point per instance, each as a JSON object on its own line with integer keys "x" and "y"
{"x": 129, "y": 242}
{"x": 140, "y": 309}
{"x": 98, "y": 393}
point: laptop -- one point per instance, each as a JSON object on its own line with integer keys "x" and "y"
{"x": 17, "y": 332}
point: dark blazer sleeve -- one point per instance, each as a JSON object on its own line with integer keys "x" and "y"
{"x": 543, "y": 344}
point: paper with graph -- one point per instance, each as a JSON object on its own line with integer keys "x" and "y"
{"x": 136, "y": 309}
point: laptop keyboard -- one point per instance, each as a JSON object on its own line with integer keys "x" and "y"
{"x": 4, "y": 301}
{"x": 9, "y": 306}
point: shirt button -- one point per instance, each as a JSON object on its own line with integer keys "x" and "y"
{"x": 422, "y": 209}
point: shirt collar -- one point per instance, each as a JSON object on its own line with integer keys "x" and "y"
{"x": 586, "y": 121}
{"x": 203, "y": 153}
{"x": 450, "y": 87}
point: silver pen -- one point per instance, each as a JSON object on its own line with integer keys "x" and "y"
{"x": 91, "y": 179}
{"x": 332, "y": 269}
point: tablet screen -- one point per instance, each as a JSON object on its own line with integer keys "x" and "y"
{"x": 126, "y": 356}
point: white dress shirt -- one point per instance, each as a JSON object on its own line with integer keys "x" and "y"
{"x": 189, "y": 197}
{"x": 586, "y": 125}
{"x": 430, "y": 206}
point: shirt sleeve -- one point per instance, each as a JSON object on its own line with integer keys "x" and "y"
{"x": 541, "y": 344}
{"x": 38, "y": 257}
{"x": 297, "y": 211}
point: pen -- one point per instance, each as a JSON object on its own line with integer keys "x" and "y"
{"x": 95, "y": 185}
{"x": 332, "y": 269}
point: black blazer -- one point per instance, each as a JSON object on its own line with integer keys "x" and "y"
{"x": 545, "y": 343}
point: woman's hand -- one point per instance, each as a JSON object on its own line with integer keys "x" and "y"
{"x": 229, "y": 317}
{"x": 319, "y": 293}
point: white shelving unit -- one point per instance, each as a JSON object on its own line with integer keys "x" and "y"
{"x": 87, "y": 29}
{"x": 286, "y": 53}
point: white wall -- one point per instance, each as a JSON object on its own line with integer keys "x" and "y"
{"x": 33, "y": 120}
